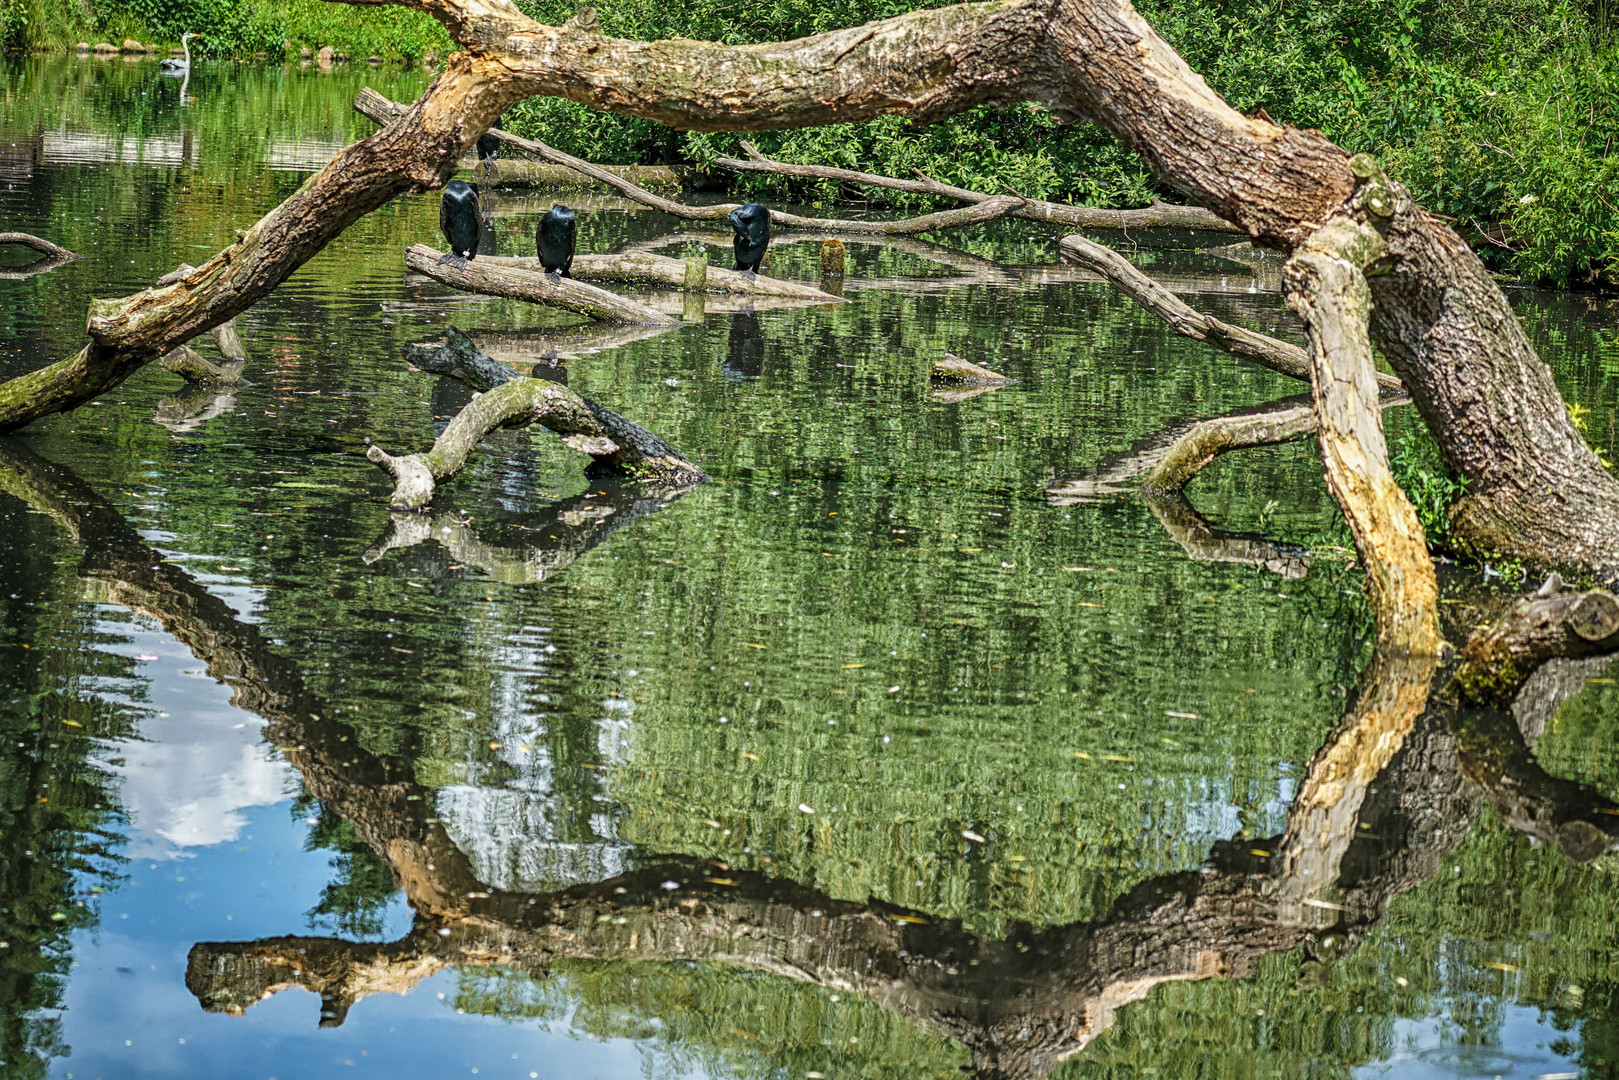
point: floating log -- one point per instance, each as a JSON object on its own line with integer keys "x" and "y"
{"x": 502, "y": 277}
{"x": 1158, "y": 215}
{"x": 638, "y": 269}
{"x": 39, "y": 244}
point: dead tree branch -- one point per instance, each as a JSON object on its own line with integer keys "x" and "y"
{"x": 1158, "y": 215}
{"x": 639, "y": 269}
{"x": 518, "y": 282}
{"x": 377, "y": 107}
{"x": 507, "y": 399}
{"x": 194, "y": 368}
{"x": 1279, "y": 356}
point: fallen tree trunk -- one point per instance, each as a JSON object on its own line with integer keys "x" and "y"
{"x": 1326, "y": 285}
{"x": 506, "y": 278}
{"x": 1157, "y": 216}
{"x": 1499, "y": 660}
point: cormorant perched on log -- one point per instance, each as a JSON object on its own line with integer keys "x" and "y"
{"x": 752, "y": 225}
{"x": 458, "y": 219}
{"x": 489, "y": 148}
{"x": 555, "y": 239}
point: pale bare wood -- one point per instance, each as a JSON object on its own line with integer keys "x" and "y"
{"x": 505, "y": 278}
{"x": 661, "y": 270}
{"x": 39, "y": 244}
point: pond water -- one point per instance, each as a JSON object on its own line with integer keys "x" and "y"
{"x": 867, "y": 758}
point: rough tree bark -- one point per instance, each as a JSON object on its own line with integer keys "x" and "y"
{"x": 1536, "y": 490}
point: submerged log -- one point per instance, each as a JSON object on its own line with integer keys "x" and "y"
{"x": 954, "y": 369}
{"x": 194, "y": 368}
{"x": 505, "y": 278}
{"x": 1157, "y": 216}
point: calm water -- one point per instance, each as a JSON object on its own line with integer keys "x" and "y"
{"x": 868, "y": 758}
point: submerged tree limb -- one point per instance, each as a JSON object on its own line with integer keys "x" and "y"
{"x": 1499, "y": 660}
{"x": 194, "y": 368}
{"x": 1157, "y": 216}
{"x": 507, "y": 399}
{"x": 519, "y": 282}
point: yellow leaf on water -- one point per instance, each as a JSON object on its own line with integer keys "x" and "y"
{"x": 750, "y": 757}
{"x": 755, "y": 645}
{"x": 1498, "y": 966}
{"x": 1180, "y": 715}
{"x": 1082, "y": 754}
{"x": 72, "y": 723}
{"x": 1083, "y": 604}
{"x": 720, "y": 881}
{"x": 914, "y": 919}
{"x": 851, "y": 667}
{"x": 1261, "y": 853}
{"x": 968, "y": 834}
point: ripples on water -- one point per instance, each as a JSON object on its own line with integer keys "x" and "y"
{"x": 869, "y": 637}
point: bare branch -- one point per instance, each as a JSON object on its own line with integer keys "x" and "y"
{"x": 45, "y": 247}
{"x": 520, "y": 283}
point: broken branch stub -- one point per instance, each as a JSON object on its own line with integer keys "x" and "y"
{"x": 1497, "y": 662}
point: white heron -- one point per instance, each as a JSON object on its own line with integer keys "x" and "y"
{"x": 171, "y": 66}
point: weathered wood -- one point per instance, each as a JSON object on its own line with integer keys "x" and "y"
{"x": 640, "y": 269}
{"x": 507, "y": 399}
{"x": 954, "y": 369}
{"x": 520, "y": 172}
{"x": 1157, "y": 216}
{"x": 1207, "y": 439}
{"x": 229, "y": 342}
{"x": 379, "y": 108}
{"x": 506, "y": 277}
{"x": 43, "y": 246}
{"x": 1279, "y": 356}
{"x": 1327, "y": 287}
{"x": 194, "y": 368}
{"x": 1499, "y": 660}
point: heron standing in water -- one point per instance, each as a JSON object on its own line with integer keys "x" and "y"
{"x": 752, "y": 225}
{"x": 458, "y": 220}
{"x": 171, "y": 66}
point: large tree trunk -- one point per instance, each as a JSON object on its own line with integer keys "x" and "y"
{"x": 1536, "y": 490}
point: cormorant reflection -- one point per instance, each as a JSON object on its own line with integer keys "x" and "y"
{"x": 745, "y": 352}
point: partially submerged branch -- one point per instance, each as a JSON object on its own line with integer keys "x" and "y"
{"x": 1327, "y": 287}
{"x": 39, "y": 244}
{"x": 1498, "y": 661}
{"x": 517, "y": 282}
{"x": 660, "y": 270}
{"x": 194, "y": 368}
{"x": 1279, "y": 356}
{"x": 1157, "y": 216}
{"x": 510, "y": 400}
{"x": 1207, "y": 439}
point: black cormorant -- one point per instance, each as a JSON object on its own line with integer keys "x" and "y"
{"x": 458, "y": 219}
{"x": 489, "y": 148}
{"x": 555, "y": 240}
{"x": 752, "y": 225}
